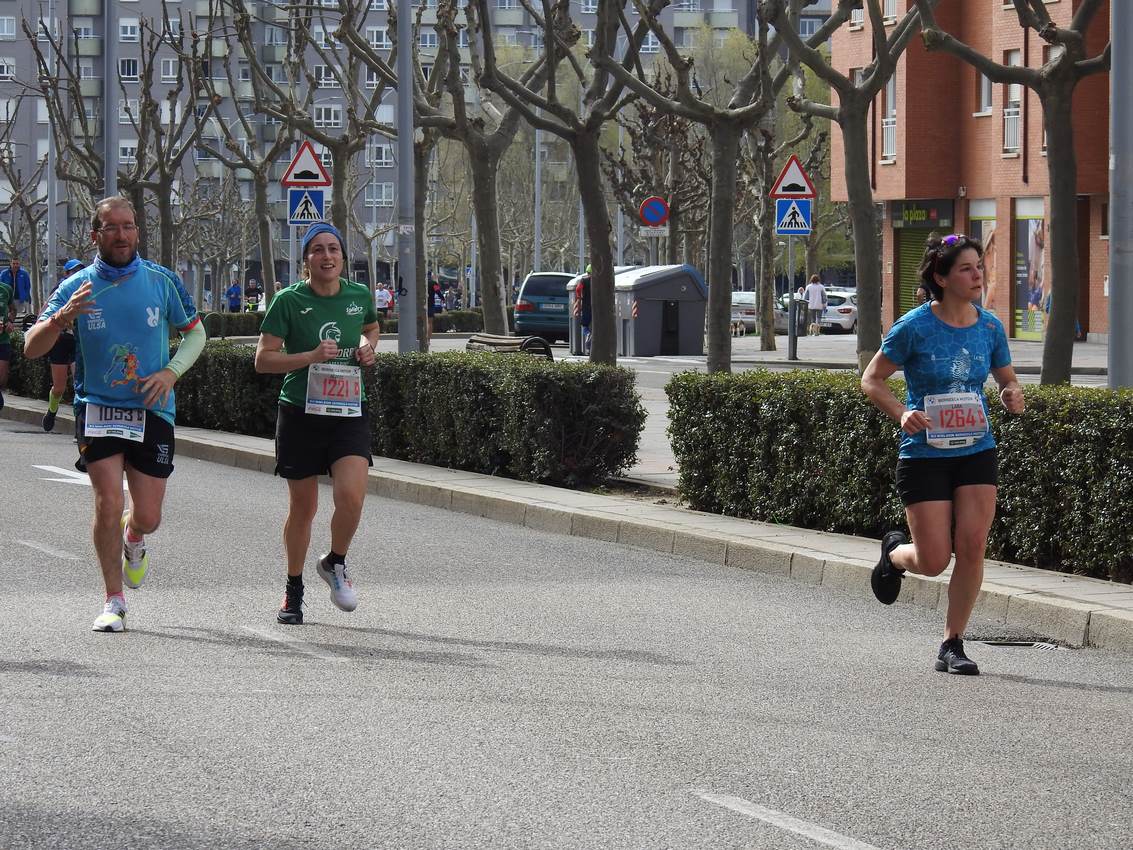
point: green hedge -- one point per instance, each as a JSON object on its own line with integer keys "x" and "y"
{"x": 523, "y": 417}
{"x": 221, "y": 325}
{"x": 808, "y": 449}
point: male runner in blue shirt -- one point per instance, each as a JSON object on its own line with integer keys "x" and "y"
{"x": 121, "y": 308}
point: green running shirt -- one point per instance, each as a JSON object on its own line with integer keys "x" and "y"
{"x": 303, "y": 320}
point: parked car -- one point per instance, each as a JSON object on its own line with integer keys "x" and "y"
{"x": 744, "y": 310}
{"x": 841, "y": 310}
{"x": 541, "y": 309}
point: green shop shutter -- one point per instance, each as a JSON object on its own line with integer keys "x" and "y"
{"x": 910, "y": 251}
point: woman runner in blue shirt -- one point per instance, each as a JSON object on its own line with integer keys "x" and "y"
{"x": 947, "y": 472}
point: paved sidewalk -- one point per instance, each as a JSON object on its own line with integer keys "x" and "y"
{"x": 1070, "y": 609}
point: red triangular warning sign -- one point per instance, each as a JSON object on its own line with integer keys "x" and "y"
{"x": 793, "y": 182}
{"x": 306, "y": 169}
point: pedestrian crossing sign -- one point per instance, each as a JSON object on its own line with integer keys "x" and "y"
{"x": 792, "y": 216}
{"x": 304, "y": 206}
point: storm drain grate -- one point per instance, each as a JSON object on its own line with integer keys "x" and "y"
{"x": 1022, "y": 644}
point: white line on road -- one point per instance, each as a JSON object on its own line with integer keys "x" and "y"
{"x": 47, "y": 550}
{"x": 785, "y": 822}
{"x": 72, "y": 476}
{"x": 296, "y": 644}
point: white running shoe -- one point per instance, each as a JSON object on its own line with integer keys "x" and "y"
{"x": 341, "y": 587}
{"x": 113, "y": 616}
{"x": 135, "y": 561}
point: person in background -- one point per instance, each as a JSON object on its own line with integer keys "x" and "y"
{"x": 20, "y": 281}
{"x": 61, "y": 357}
{"x": 233, "y": 296}
{"x": 815, "y": 297}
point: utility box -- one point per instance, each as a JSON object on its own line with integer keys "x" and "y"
{"x": 580, "y": 305}
{"x": 660, "y": 311}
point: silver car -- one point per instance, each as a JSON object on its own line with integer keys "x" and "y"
{"x": 744, "y": 310}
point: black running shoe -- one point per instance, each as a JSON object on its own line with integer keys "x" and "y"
{"x": 951, "y": 659}
{"x": 291, "y": 613}
{"x": 886, "y": 578}
{"x": 48, "y": 421}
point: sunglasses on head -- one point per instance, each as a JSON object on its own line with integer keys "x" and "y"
{"x": 949, "y": 241}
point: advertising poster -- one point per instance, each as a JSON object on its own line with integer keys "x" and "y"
{"x": 984, "y": 231}
{"x": 1031, "y": 285}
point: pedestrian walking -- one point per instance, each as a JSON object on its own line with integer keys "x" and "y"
{"x": 947, "y": 470}
{"x": 121, "y": 307}
{"x": 319, "y": 333}
{"x": 62, "y": 359}
{"x": 815, "y": 297}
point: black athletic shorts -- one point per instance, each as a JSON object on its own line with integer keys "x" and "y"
{"x": 63, "y": 352}
{"x": 153, "y": 456}
{"x": 5, "y": 351}
{"x": 308, "y": 444}
{"x": 932, "y": 479}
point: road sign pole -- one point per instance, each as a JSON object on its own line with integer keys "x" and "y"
{"x": 792, "y": 315}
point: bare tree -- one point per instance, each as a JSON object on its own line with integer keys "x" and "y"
{"x": 26, "y": 206}
{"x": 1054, "y": 83}
{"x": 581, "y": 126}
{"x": 855, "y": 96}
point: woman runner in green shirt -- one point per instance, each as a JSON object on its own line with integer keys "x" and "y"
{"x": 320, "y": 332}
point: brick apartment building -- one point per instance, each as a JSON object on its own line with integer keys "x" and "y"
{"x": 952, "y": 152}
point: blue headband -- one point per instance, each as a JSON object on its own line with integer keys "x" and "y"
{"x": 321, "y": 227}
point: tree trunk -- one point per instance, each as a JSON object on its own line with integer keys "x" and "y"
{"x": 863, "y": 219}
{"x": 485, "y": 168}
{"x": 766, "y": 228}
{"x": 420, "y": 196}
{"x": 1062, "y": 166}
{"x": 137, "y": 197}
{"x": 339, "y": 212}
{"x": 263, "y": 233}
{"x": 587, "y": 157}
{"x": 165, "y": 223}
{"x": 725, "y": 155}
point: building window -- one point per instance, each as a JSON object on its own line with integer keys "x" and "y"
{"x": 86, "y": 69}
{"x": 128, "y": 29}
{"x": 378, "y": 38}
{"x": 202, "y": 155}
{"x": 326, "y": 158}
{"x": 427, "y": 40}
{"x": 650, "y": 44}
{"x": 319, "y": 36}
{"x": 373, "y": 80}
{"x": 589, "y": 6}
{"x": 7, "y": 68}
{"x": 889, "y": 11}
{"x": 40, "y": 30}
{"x": 889, "y": 121}
{"x": 173, "y": 30}
{"x": 128, "y": 70}
{"x": 1012, "y": 105}
{"x": 328, "y": 116}
{"x": 83, "y": 30}
{"x": 379, "y": 155}
{"x": 983, "y": 94}
{"x": 808, "y": 27}
{"x": 379, "y": 194}
{"x": 128, "y": 111}
{"x": 8, "y": 28}
{"x": 324, "y": 77}
{"x": 274, "y": 35}
{"x": 682, "y": 5}
{"x": 510, "y": 4}
{"x": 1105, "y": 219}
{"x": 169, "y": 71}
{"x": 128, "y": 152}
{"x": 427, "y": 70}
{"x": 719, "y": 37}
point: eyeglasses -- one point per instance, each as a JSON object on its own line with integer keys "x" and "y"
{"x": 949, "y": 241}
{"x": 111, "y": 229}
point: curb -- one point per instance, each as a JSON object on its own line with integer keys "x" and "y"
{"x": 1016, "y": 596}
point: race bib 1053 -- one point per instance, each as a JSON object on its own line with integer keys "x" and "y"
{"x": 122, "y": 422}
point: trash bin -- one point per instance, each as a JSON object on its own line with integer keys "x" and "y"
{"x": 660, "y": 311}
{"x": 574, "y": 321}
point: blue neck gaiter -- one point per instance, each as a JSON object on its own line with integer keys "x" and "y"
{"x": 115, "y": 273}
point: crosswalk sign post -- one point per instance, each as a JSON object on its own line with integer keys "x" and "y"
{"x": 304, "y": 206}
{"x": 793, "y": 216}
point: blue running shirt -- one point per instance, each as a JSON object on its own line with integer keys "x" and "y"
{"x": 938, "y": 358}
{"x": 126, "y": 337}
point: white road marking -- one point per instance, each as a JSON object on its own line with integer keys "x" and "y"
{"x": 73, "y": 476}
{"x": 785, "y": 822}
{"x": 295, "y": 644}
{"x": 47, "y": 550}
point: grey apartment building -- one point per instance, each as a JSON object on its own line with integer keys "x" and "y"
{"x": 110, "y": 67}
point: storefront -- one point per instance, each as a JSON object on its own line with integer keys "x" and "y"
{"x": 912, "y": 223}
{"x": 1031, "y": 282}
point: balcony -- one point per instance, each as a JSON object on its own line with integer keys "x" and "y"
{"x": 270, "y": 132}
{"x": 212, "y": 168}
{"x": 688, "y": 18}
{"x": 509, "y": 17}
{"x": 87, "y": 47}
{"x": 273, "y": 52}
{"x": 888, "y": 139}
{"x": 84, "y": 7}
{"x": 90, "y": 87}
{"x": 1011, "y": 124}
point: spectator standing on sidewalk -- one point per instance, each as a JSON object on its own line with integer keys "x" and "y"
{"x": 815, "y": 297}
{"x": 20, "y": 281}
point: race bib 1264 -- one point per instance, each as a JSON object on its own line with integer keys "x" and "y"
{"x": 958, "y": 420}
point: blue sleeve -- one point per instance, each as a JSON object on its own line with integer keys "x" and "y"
{"x": 1000, "y": 351}
{"x": 60, "y": 297}
{"x": 898, "y": 343}
{"x": 181, "y": 313}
